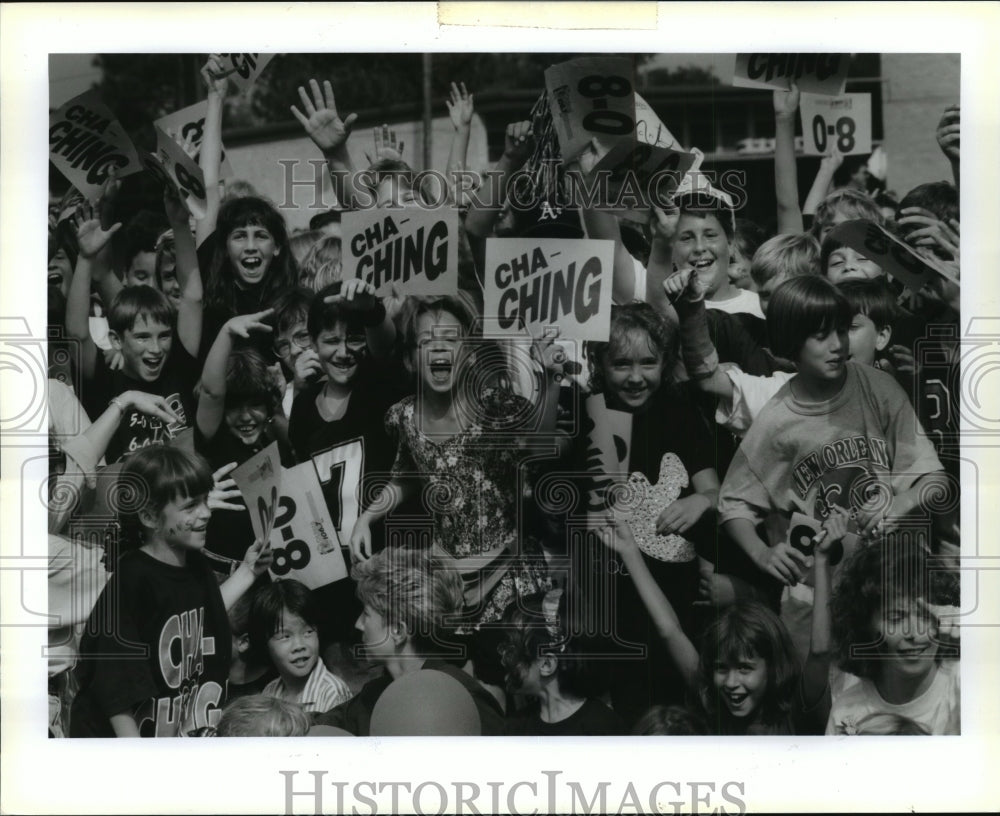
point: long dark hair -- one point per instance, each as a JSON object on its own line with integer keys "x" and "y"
{"x": 220, "y": 283}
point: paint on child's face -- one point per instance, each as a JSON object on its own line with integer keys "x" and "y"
{"x": 60, "y": 272}
{"x": 183, "y": 522}
{"x": 702, "y": 243}
{"x": 824, "y": 355}
{"x": 294, "y": 647}
{"x": 375, "y": 637}
{"x": 741, "y": 686}
{"x": 145, "y": 348}
{"x": 865, "y": 340}
{"x": 247, "y": 421}
{"x": 906, "y": 630}
{"x": 633, "y": 371}
{"x": 251, "y": 249}
{"x": 845, "y": 264}
{"x": 341, "y": 349}
{"x": 142, "y": 270}
{"x": 439, "y": 344}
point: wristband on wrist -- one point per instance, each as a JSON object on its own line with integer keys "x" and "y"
{"x": 117, "y": 402}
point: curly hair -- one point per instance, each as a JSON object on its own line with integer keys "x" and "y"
{"x": 848, "y": 203}
{"x": 663, "y": 337}
{"x": 220, "y": 282}
{"x": 749, "y": 629}
{"x": 871, "y": 578}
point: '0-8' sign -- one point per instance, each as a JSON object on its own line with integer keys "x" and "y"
{"x": 836, "y": 124}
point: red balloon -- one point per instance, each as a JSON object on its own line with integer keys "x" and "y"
{"x": 425, "y": 703}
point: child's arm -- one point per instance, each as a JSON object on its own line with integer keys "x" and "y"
{"x": 681, "y": 650}
{"x": 390, "y": 497}
{"x": 816, "y": 672}
{"x": 949, "y": 139}
{"x": 212, "y": 396}
{"x": 821, "y": 184}
{"x": 330, "y": 133}
{"x": 359, "y": 296}
{"x": 255, "y": 563}
{"x": 124, "y": 725}
{"x": 210, "y": 159}
{"x": 679, "y": 516}
{"x": 786, "y": 179}
{"x": 701, "y": 359}
{"x": 875, "y": 519}
{"x": 93, "y": 260}
{"x": 602, "y": 225}
{"x": 781, "y": 561}
{"x": 519, "y": 143}
{"x": 189, "y": 310}
{"x": 460, "y": 109}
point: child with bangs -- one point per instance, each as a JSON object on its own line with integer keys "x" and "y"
{"x": 837, "y": 434}
{"x": 887, "y": 611}
{"x": 840, "y": 206}
{"x": 155, "y": 655}
{"x": 239, "y": 414}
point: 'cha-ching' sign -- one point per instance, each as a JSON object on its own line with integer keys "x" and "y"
{"x": 86, "y": 142}
{"x": 537, "y": 283}
{"x": 412, "y": 249}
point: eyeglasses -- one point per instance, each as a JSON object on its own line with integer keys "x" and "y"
{"x": 301, "y": 340}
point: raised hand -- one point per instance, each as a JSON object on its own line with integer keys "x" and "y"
{"x": 684, "y": 285}
{"x": 551, "y": 356}
{"x": 459, "y": 104}
{"x": 242, "y": 325}
{"x": 356, "y": 294}
{"x": 321, "y": 120}
{"x": 786, "y": 103}
{"x": 949, "y": 132}
{"x": 386, "y": 145}
{"x": 216, "y": 75}
{"x": 225, "y": 495}
{"x": 663, "y": 222}
{"x": 307, "y": 366}
{"x": 519, "y": 142}
{"x": 90, "y": 235}
{"x": 931, "y": 232}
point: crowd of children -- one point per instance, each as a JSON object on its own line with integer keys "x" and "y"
{"x": 779, "y": 385}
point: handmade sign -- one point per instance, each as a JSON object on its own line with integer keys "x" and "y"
{"x": 183, "y": 172}
{"x": 411, "y": 248}
{"x": 536, "y": 283}
{"x": 895, "y": 257}
{"x": 642, "y": 503}
{"x": 648, "y": 166}
{"x": 802, "y": 532}
{"x": 591, "y": 97}
{"x": 813, "y": 73}
{"x": 842, "y": 124}
{"x": 259, "y": 480}
{"x": 608, "y": 433}
{"x": 188, "y": 123}
{"x": 245, "y": 68}
{"x": 86, "y": 142}
{"x": 339, "y": 470}
{"x": 304, "y": 541}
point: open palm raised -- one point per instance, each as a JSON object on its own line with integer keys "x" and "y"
{"x": 321, "y": 120}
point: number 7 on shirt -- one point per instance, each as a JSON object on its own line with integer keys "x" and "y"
{"x": 340, "y": 469}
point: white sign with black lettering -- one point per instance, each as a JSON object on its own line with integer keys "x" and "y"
{"x": 189, "y": 123}
{"x": 836, "y": 124}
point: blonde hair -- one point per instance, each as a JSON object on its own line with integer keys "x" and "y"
{"x": 885, "y": 724}
{"x": 258, "y": 715}
{"x": 786, "y": 256}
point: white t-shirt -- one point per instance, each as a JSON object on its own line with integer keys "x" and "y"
{"x": 745, "y": 302}
{"x": 750, "y": 395}
{"x": 938, "y": 709}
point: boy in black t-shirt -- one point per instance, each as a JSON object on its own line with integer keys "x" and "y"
{"x": 154, "y": 659}
{"x": 141, "y": 327}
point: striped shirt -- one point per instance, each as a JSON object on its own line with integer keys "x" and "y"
{"x": 322, "y": 692}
